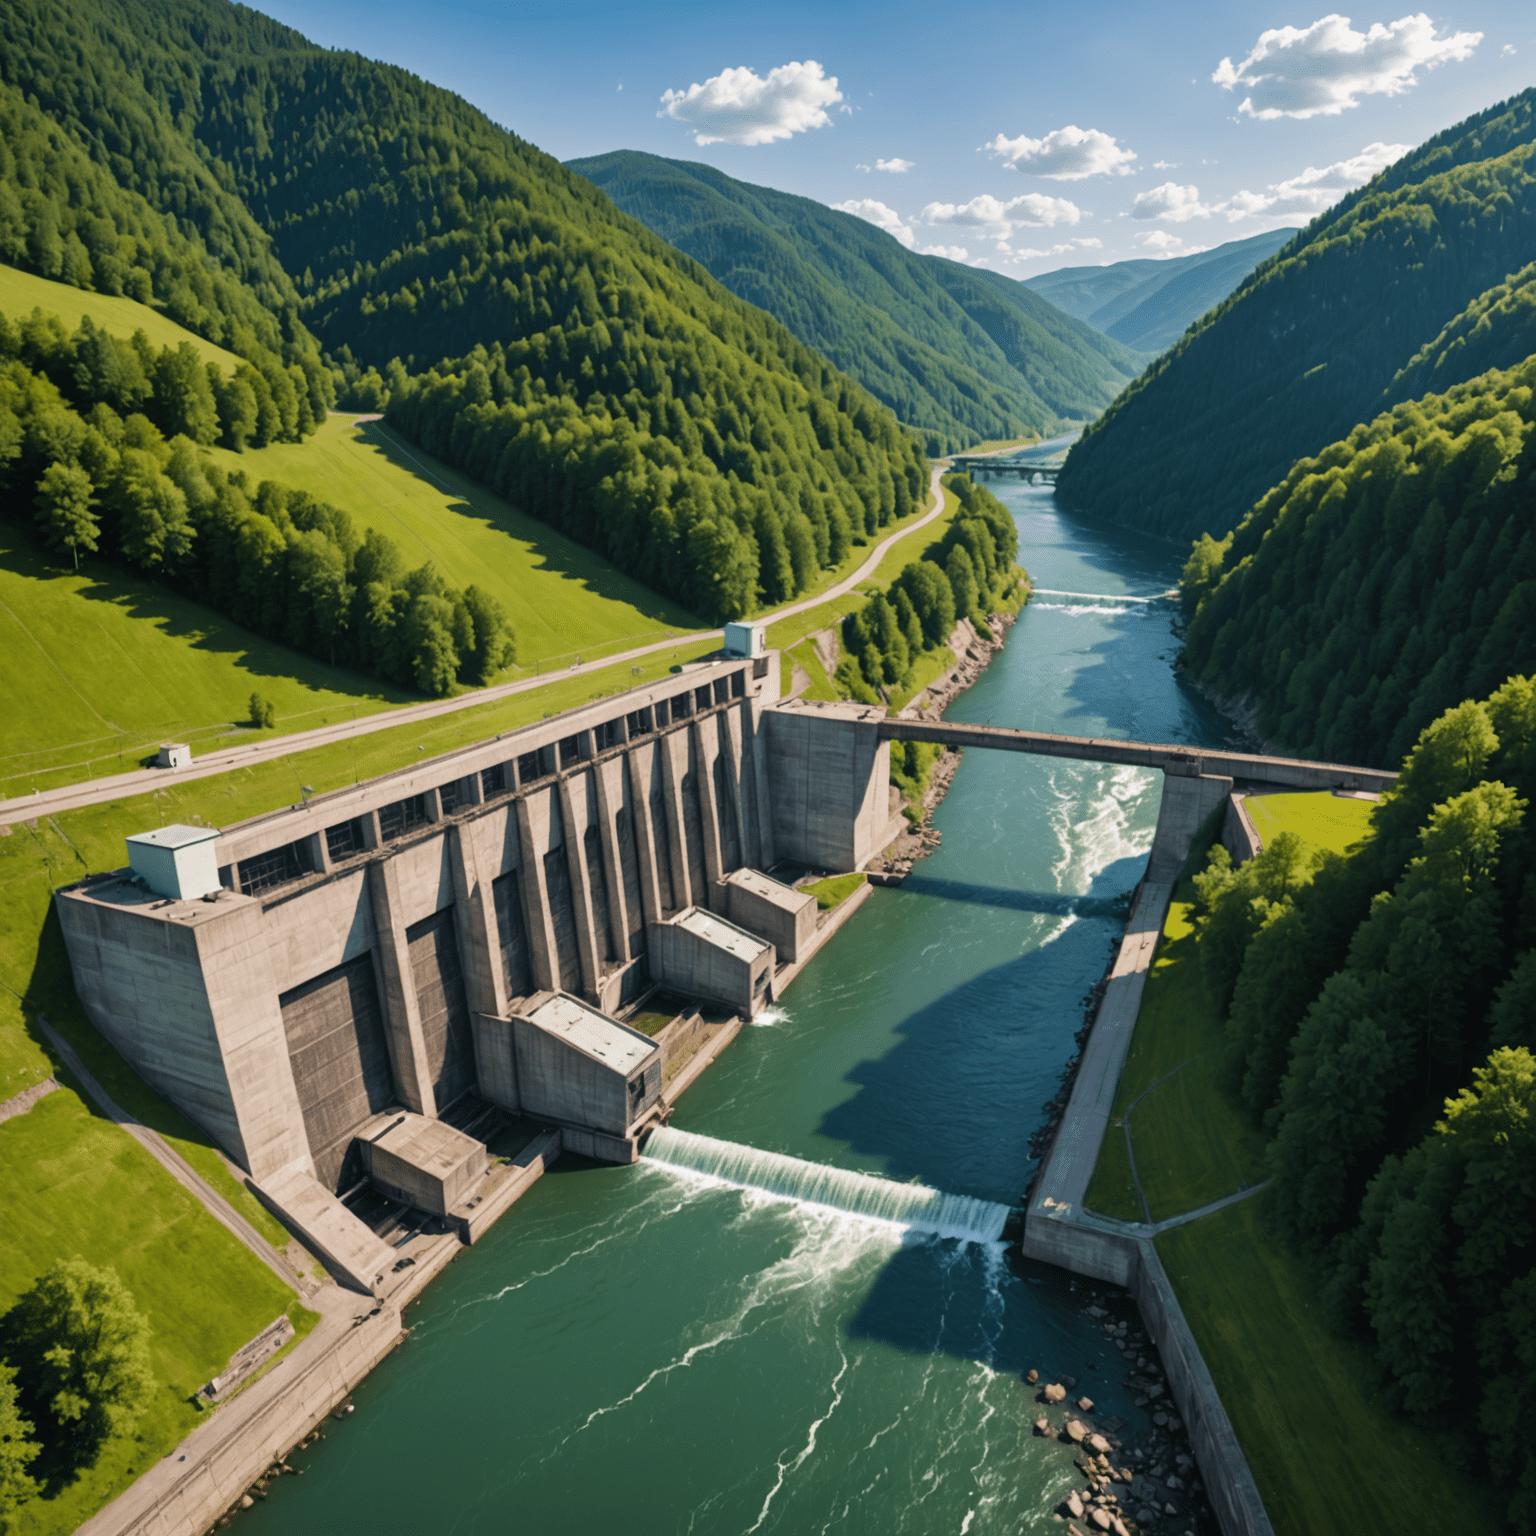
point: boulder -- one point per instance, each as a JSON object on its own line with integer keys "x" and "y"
{"x": 1043, "y": 1426}
{"x": 247, "y": 1502}
{"x": 1076, "y": 1431}
{"x": 1032, "y": 1377}
{"x": 1071, "y": 1381}
{"x": 1174, "y": 1482}
{"x": 1117, "y": 1525}
{"x": 1160, "y": 1419}
{"x": 1099, "y": 1444}
{"x": 1101, "y": 1518}
{"x": 1154, "y": 1390}
{"x": 1170, "y": 1509}
{"x": 1075, "y": 1505}
{"x": 1085, "y": 1404}
{"x": 1055, "y": 1393}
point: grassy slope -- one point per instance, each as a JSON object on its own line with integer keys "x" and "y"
{"x": 102, "y": 665}
{"x": 1327, "y": 1453}
{"x": 1325, "y": 821}
{"x": 76, "y": 1184}
{"x": 22, "y": 292}
{"x": 563, "y": 600}
{"x": 1298, "y": 1396}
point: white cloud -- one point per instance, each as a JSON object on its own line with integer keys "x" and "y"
{"x": 997, "y": 219}
{"x": 1065, "y": 154}
{"x": 896, "y": 164}
{"x": 1507, "y": 50}
{"x": 880, "y": 215}
{"x": 1163, "y": 243}
{"x": 1165, "y": 165}
{"x": 1170, "y": 202}
{"x": 1315, "y": 189}
{"x": 951, "y": 252}
{"x": 1324, "y": 68}
{"x": 739, "y": 107}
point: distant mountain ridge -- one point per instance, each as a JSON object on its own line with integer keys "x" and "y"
{"x": 1148, "y": 304}
{"x": 958, "y": 353}
{"x": 1326, "y": 334}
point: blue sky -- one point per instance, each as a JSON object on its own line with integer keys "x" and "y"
{"x": 1026, "y": 137}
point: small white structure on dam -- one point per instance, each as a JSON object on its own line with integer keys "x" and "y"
{"x": 408, "y": 947}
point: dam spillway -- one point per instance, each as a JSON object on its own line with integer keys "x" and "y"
{"x": 912, "y": 1206}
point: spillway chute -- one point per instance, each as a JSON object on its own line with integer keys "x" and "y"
{"x": 914, "y": 1206}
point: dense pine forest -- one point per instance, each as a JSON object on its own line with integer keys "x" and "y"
{"x": 1381, "y": 1012}
{"x": 1324, "y": 335}
{"x": 287, "y": 200}
{"x": 959, "y": 354}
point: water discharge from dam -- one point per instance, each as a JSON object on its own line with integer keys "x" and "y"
{"x": 666, "y": 1351}
{"x": 911, "y": 1206}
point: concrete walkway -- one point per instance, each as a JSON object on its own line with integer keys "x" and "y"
{"x": 20, "y": 1103}
{"x": 142, "y": 780}
{"x": 176, "y": 1165}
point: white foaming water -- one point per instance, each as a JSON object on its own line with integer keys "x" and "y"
{"x": 1092, "y": 820}
{"x": 1118, "y": 610}
{"x": 839, "y": 1189}
{"x": 766, "y": 1018}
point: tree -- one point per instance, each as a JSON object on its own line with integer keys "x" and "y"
{"x": 18, "y": 1450}
{"x": 495, "y": 644}
{"x": 64, "y": 501}
{"x": 263, "y": 713}
{"x": 80, "y": 1348}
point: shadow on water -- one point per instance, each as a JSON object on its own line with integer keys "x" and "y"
{"x": 943, "y": 1105}
{"x": 1048, "y": 903}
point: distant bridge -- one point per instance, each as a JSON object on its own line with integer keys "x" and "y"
{"x": 1030, "y": 474}
{"x": 1176, "y": 761}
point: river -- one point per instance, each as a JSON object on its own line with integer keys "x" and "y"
{"x": 643, "y": 1349}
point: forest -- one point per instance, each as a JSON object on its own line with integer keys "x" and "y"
{"x": 1383, "y": 580}
{"x": 959, "y": 354}
{"x": 322, "y": 201}
{"x": 1381, "y": 1019}
{"x": 99, "y": 442}
{"x": 1325, "y": 334}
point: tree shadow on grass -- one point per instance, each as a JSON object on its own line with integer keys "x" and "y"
{"x": 201, "y": 627}
{"x": 555, "y": 553}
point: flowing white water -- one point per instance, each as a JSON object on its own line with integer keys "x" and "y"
{"x": 838, "y": 1189}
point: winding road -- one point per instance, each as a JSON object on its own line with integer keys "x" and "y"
{"x": 50, "y": 802}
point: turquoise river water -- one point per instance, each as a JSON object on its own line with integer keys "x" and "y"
{"x": 650, "y": 1350}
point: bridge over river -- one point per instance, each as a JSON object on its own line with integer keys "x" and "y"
{"x": 1176, "y": 761}
{"x": 1030, "y": 474}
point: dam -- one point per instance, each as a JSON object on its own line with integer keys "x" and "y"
{"x": 344, "y": 992}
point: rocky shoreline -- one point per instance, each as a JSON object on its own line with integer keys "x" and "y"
{"x": 1146, "y": 1482}
{"x": 923, "y": 837}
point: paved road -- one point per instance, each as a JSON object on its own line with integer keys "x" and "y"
{"x": 176, "y": 1165}
{"x": 121, "y": 785}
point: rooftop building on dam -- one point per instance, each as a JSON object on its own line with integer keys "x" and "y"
{"x": 338, "y": 991}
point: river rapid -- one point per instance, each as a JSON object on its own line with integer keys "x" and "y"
{"x": 651, "y": 1350}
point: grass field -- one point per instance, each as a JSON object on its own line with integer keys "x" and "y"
{"x": 76, "y": 1184}
{"x": 101, "y": 666}
{"x": 1325, "y": 820}
{"x": 1192, "y": 1144}
{"x": 22, "y": 292}
{"x": 1327, "y": 1453}
{"x": 563, "y": 600}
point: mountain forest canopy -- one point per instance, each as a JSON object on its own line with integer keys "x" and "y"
{"x": 1381, "y": 580}
{"x": 281, "y": 198}
{"x": 958, "y": 354}
{"x": 1325, "y": 334}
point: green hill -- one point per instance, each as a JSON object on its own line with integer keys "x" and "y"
{"x": 1314, "y": 341}
{"x": 1148, "y": 304}
{"x": 1383, "y": 580}
{"x": 601, "y": 379}
{"x": 960, "y": 355}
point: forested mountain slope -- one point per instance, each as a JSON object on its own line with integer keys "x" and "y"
{"x": 1382, "y": 581}
{"x": 959, "y": 354}
{"x": 1315, "y": 340}
{"x": 1149, "y": 304}
{"x": 631, "y": 399}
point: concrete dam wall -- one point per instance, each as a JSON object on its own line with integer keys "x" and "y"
{"x": 326, "y": 988}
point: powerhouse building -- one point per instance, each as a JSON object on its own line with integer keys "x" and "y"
{"x": 317, "y": 987}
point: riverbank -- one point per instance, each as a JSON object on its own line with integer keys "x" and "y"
{"x": 922, "y": 837}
